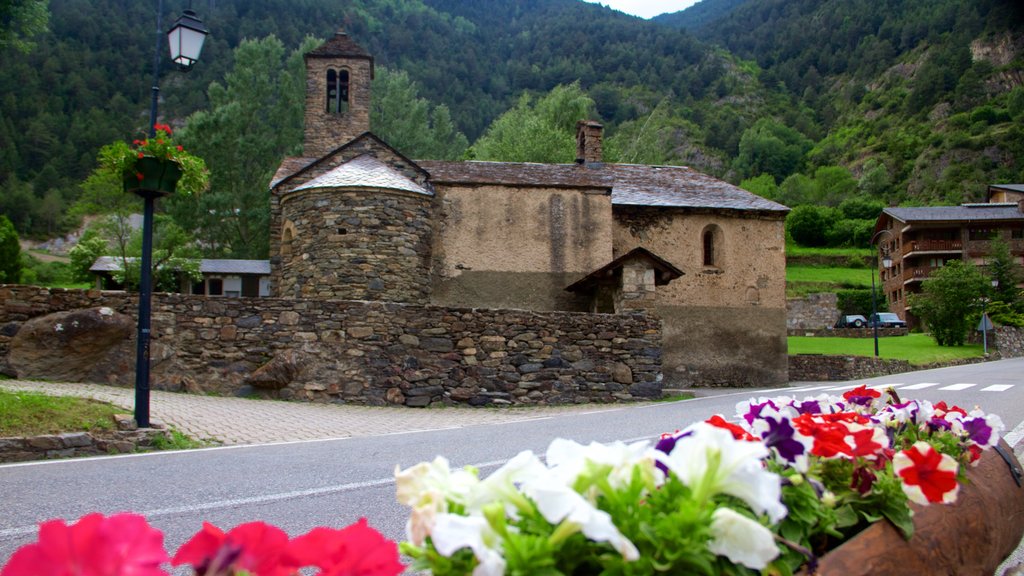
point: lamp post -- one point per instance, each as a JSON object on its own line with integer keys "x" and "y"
{"x": 186, "y": 42}
{"x": 887, "y": 263}
{"x": 985, "y": 322}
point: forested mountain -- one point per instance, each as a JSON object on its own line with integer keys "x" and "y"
{"x": 803, "y": 101}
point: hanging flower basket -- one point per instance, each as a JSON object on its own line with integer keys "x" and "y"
{"x": 153, "y": 176}
{"x": 971, "y": 536}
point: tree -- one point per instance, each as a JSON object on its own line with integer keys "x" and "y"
{"x": 254, "y": 119}
{"x": 771, "y": 147}
{"x": 84, "y": 254}
{"x": 950, "y": 298}
{"x": 763, "y": 185}
{"x": 544, "y": 131}
{"x": 809, "y": 224}
{"x": 406, "y": 121}
{"x": 20, "y": 20}
{"x": 10, "y": 252}
{"x": 1003, "y": 268}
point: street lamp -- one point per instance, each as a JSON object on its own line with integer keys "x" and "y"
{"x": 186, "y": 42}
{"x": 887, "y": 263}
{"x": 985, "y": 322}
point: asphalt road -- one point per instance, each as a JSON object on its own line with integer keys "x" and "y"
{"x": 301, "y": 485}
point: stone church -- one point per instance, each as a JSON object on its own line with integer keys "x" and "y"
{"x": 355, "y": 219}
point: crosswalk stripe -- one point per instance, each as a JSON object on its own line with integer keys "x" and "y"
{"x": 997, "y": 388}
{"x": 922, "y": 386}
{"x": 955, "y": 387}
{"x": 884, "y": 386}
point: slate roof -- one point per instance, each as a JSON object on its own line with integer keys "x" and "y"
{"x": 339, "y": 45}
{"x": 206, "y": 266}
{"x": 364, "y": 172}
{"x": 1010, "y": 187}
{"x": 963, "y": 213}
{"x": 631, "y": 184}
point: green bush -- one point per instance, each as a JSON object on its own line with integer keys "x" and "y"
{"x": 859, "y": 301}
{"x": 809, "y": 225}
{"x": 850, "y": 233}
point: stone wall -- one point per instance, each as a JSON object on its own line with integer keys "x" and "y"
{"x": 812, "y": 312}
{"x": 820, "y": 368}
{"x": 356, "y": 245}
{"x": 326, "y": 131}
{"x": 1009, "y": 341}
{"x": 370, "y": 352}
{"x": 850, "y": 332}
{"x": 75, "y": 444}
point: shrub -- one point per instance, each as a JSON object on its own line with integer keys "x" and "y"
{"x": 808, "y": 225}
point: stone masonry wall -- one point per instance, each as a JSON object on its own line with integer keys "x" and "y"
{"x": 819, "y": 368}
{"x": 356, "y": 245}
{"x": 371, "y": 352}
{"x": 326, "y": 131}
{"x": 815, "y": 311}
{"x": 1009, "y": 341}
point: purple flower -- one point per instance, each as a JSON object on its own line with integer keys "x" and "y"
{"x": 780, "y": 437}
{"x": 808, "y": 407}
{"x": 978, "y": 431}
{"x": 667, "y": 444}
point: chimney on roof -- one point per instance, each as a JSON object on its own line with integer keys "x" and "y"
{"x": 588, "y": 141}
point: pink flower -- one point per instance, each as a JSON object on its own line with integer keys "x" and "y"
{"x": 927, "y": 475}
{"x": 256, "y": 547}
{"x": 357, "y": 550}
{"x": 118, "y": 545}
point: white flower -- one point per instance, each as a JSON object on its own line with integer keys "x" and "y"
{"x": 557, "y": 502}
{"x": 569, "y": 460}
{"x": 453, "y": 532}
{"x": 710, "y": 459}
{"x": 741, "y": 540}
{"x": 426, "y": 488}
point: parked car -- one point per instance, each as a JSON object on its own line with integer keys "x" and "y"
{"x": 886, "y": 320}
{"x": 851, "y": 321}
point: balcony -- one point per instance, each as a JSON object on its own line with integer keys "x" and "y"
{"x": 933, "y": 246}
{"x": 911, "y": 275}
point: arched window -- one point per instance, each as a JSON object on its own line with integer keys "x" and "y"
{"x": 287, "y": 238}
{"x": 711, "y": 243}
{"x": 337, "y": 91}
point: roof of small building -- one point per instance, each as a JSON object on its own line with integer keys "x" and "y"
{"x": 206, "y": 266}
{"x": 963, "y": 213}
{"x": 1010, "y": 187}
{"x": 364, "y": 172}
{"x": 665, "y": 271}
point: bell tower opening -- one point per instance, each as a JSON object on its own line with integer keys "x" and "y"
{"x": 337, "y": 91}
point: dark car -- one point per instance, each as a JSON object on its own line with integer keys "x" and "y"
{"x": 886, "y": 320}
{"x": 851, "y": 321}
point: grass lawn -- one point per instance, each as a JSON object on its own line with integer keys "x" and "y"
{"x": 32, "y": 414}
{"x": 797, "y": 250}
{"x": 915, "y": 348}
{"x": 804, "y": 280}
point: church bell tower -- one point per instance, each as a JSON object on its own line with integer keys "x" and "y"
{"x": 338, "y": 76}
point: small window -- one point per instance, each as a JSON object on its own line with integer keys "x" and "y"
{"x": 215, "y": 287}
{"x": 711, "y": 246}
{"x": 981, "y": 233}
{"x": 337, "y": 91}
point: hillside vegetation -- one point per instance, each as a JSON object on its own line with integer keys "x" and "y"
{"x": 841, "y": 106}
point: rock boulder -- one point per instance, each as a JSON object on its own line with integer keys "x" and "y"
{"x": 75, "y": 346}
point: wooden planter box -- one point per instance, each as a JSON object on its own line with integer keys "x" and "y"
{"x": 970, "y": 537}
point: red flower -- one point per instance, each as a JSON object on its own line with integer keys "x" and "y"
{"x": 140, "y": 176}
{"x": 141, "y": 155}
{"x": 737, "y": 432}
{"x": 357, "y": 550}
{"x": 829, "y": 437}
{"x": 256, "y": 547}
{"x": 180, "y": 148}
{"x": 162, "y": 128}
{"x": 861, "y": 395}
{"x": 119, "y": 545}
{"x": 927, "y": 475}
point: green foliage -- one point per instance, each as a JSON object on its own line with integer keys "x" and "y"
{"x": 51, "y": 274}
{"x": 10, "y": 252}
{"x": 406, "y": 121}
{"x": 860, "y": 208}
{"x": 808, "y": 224}
{"x": 850, "y": 232}
{"x": 544, "y": 131}
{"x": 763, "y": 185}
{"x": 89, "y": 247}
{"x": 772, "y": 148}
{"x": 32, "y": 414}
{"x": 1003, "y": 268}
{"x": 859, "y": 301}
{"x": 21, "y": 21}
{"x": 949, "y": 300}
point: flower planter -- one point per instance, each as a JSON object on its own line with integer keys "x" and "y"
{"x": 158, "y": 177}
{"x": 971, "y": 536}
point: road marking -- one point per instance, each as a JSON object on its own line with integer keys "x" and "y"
{"x": 1015, "y": 436}
{"x": 997, "y": 388}
{"x": 884, "y": 386}
{"x": 922, "y": 386}
{"x": 955, "y": 387}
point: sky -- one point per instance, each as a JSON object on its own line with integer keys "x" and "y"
{"x": 646, "y": 8}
